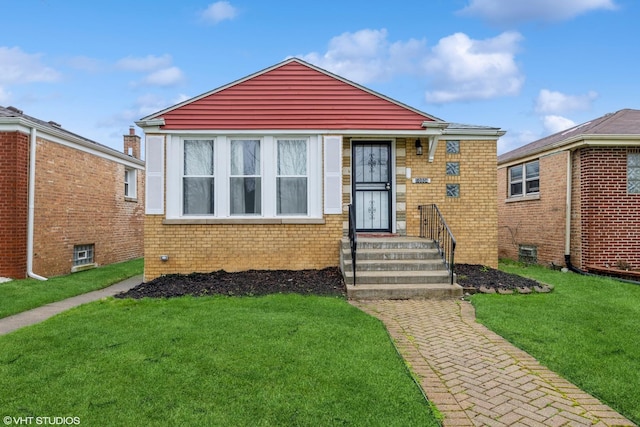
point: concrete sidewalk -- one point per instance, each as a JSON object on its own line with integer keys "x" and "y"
{"x": 475, "y": 377}
{"x": 37, "y": 315}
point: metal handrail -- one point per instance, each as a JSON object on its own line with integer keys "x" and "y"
{"x": 353, "y": 240}
{"x": 434, "y": 227}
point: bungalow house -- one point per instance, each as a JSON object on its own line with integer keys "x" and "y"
{"x": 573, "y": 198}
{"x": 66, "y": 203}
{"x": 261, "y": 173}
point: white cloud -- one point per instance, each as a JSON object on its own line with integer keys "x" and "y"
{"x": 509, "y": 11}
{"x": 553, "y": 102}
{"x": 165, "y": 77}
{"x": 554, "y": 124}
{"x": 464, "y": 69}
{"x": 219, "y": 11}
{"x": 145, "y": 64}
{"x": 367, "y": 56}
{"x": 18, "y": 67}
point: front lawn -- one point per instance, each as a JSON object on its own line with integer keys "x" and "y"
{"x": 587, "y": 330}
{"x": 20, "y": 295}
{"x": 261, "y": 361}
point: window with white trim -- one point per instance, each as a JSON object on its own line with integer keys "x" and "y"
{"x": 245, "y": 180}
{"x": 291, "y": 177}
{"x": 198, "y": 177}
{"x": 633, "y": 172}
{"x": 236, "y": 177}
{"x": 130, "y": 183}
{"x": 524, "y": 179}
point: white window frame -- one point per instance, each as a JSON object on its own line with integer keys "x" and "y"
{"x": 222, "y": 168}
{"x": 130, "y": 180}
{"x": 523, "y": 180}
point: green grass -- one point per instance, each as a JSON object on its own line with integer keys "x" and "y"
{"x": 20, "y": 295}
{"x": 279, "y": 360}
{"x": 587, "y": 330}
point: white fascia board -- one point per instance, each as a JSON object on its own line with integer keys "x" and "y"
{"x": 20, "y": 124}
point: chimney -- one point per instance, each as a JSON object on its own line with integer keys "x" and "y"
{"x": 132, "y": 143}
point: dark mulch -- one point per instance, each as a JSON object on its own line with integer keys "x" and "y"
{"x": 327, "y": 282}
{"x": 475, "y": 277}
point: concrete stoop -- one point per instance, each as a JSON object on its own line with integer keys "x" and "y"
{"x": 396, "y": 268}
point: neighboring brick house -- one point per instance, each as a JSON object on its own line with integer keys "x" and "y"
{"x": 258, "y": 174}
{"x": 574, "y": 197}
{"x": 66, "y": 203}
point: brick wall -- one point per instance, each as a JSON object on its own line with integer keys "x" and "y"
{"x": 535, "y": 221}
{"x": 14, "y": 164}
{"x": 472, "y": 217}
{"x": 610, "y": 217}
{"x": 80, "y": 200}
{"x": 238, "y": 247}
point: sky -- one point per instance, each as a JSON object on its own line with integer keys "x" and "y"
{"x": 531, "y": 68}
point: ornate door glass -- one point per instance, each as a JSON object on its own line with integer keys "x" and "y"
{"x": 372, "y": 185}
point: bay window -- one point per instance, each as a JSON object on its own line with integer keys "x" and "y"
{"x": 249, "y": 177}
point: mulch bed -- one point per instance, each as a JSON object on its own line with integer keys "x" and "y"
{"x": 325, "y": 282}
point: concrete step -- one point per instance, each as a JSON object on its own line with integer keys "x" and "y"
{"x": 394, "y": 254}
{"x": 391, "y": 243}
{"x": 397, "y": 277}
{"x": 404, "y": 291}
{"x": 395, "y": 264}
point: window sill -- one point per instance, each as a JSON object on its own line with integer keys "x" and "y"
{"x": 523, "y": 198}
{"x": 131, "y": 199}
{"x": 83, "y": 267}
{"x": 248, "y": 221}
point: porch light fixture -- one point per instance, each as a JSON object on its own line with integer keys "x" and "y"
{"x": 418, "y": 147}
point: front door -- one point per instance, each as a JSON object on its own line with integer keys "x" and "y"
{"x": 372, "y": 172}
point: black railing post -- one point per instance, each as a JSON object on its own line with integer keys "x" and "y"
{"x": 353, "y": 240}
{"x": 434, "y": 227}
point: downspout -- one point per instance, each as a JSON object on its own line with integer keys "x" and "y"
{"x": 567, "y": 226}
{"x": 31, "y": 212}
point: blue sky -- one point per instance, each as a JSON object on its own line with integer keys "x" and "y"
{"x": 531, "y": 68}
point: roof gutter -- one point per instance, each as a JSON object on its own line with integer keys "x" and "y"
{"x": 31, "y": 212}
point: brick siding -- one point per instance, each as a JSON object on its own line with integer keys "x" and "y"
{"x": 472, "y": 217}
{"x": 14, "y": 166}
{"x": 237, "y": 247}
{"x": 609, "y": 216}
{"x": 604, "y": 218}
{"x": 538, "y": 222}
{"x": 80, "y": 200}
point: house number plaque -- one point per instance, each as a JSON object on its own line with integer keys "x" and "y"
{"x": 421, "y": 180}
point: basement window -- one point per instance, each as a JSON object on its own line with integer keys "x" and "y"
{"x": 528, "y": 254}
{"x": 83, "y": 257}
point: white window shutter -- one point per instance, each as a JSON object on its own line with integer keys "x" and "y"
{"x": 154, "y": 188}
{"x": 332, "y": 174}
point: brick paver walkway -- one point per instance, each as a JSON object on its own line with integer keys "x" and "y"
{"x": 475, "y": 377}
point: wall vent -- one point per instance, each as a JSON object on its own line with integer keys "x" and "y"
{"x": 528, "y": 254}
